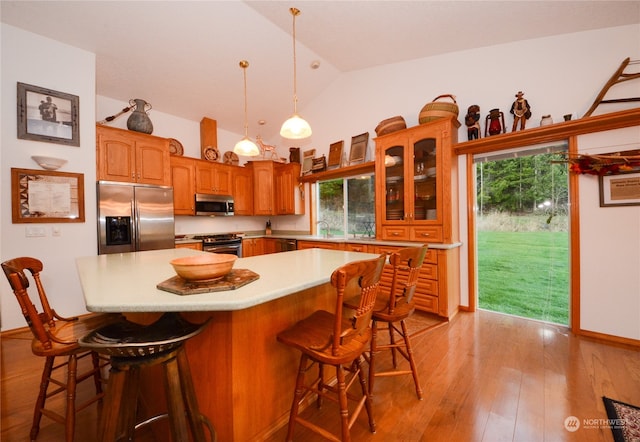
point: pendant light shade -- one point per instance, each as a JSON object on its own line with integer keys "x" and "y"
{"x": 245, "y": 146}
{"x": 295, "y": 127}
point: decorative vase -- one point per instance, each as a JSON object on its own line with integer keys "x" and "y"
{"x": 139, "y": 121}
{"x": 546, "y": 120}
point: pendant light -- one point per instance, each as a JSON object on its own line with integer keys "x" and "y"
{"x": 245, "y": 146}
{"x": 295, "y": 127}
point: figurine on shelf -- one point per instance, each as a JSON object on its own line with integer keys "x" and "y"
{"x": 521, "y": 111}
{"x": 493, "y": 122}
{"x": 472, "y": 121}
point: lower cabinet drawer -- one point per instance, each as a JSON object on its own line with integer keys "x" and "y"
{"x": 429, "y": 271}
{"x": 427, "y": 234}
{"x": 395, "y": 233}
{"x": 426, "y": 303}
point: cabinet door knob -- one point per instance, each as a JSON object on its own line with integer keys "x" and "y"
{"x": 395, "y": 234}
{"x": 426, "y": 234}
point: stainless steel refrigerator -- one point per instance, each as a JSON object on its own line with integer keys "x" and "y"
{"x": 134, "y": 217}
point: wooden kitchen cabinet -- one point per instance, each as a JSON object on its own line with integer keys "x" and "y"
{"x": 132, "y": 157}
{"x": 263, "y": 197}
{"x": 416, "y": 183}
{"x": 242, "y": 190}
{"x": 213, "y": 178}
{"x": 304, "y": 244}
{"x": 275, "y": 188}
{"x": 289, "y": 197}
{"x": 190, "y": 245}
{"x": 438, "y": 287}
{"x": 252, "y": 247}
{"x": 184, "y": 185}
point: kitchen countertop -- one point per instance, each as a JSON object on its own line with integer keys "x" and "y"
{"x": 126, "y": 282}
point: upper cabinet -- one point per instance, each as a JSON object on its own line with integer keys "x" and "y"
{"x": 416, "y": 183}
{"x": 213, "y": 178}
{"x": 128, "y": 156}
{"x": 242, "y": 190}
{"x": 275, "y": 188}
{"x": 289, "y": 194}
{"x": 184, "y": 185}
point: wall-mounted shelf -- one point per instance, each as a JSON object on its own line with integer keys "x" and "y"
{"x": 552, "y": 132}
{"x": 341, "y": 172}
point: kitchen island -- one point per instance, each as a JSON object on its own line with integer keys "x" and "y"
{"x": 243, "y": 377}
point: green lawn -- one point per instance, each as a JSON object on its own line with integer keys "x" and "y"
{"x": 525, "y": 274}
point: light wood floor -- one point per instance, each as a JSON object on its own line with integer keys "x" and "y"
{"x": 486, "y": 377}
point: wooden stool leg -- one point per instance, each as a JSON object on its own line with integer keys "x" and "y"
{"x": 297, "y": 396}
{"x": 372, "y": 354}
{"x": 42, "y": 396}
{"x": 190, "y": 398}
{"x": 97, "y": 375}
{"x": 414, "y": 369}
{"x": 173, "y": 389}
{"x": 70, "y": 412}
{"x": 342, "y": 400}
{"x": 366, "y": 393}
{"x": 108, "y": 429}
{"x": 392, "y": 344}
{"x": 129, "y": 406}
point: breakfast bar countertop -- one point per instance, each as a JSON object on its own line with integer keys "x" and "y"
{"x": 126, "y": 282}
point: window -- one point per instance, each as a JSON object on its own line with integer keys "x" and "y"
{"x": 346, "y": 207}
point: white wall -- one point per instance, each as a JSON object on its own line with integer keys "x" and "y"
{"x": 31, "y": 59}
{"x": 559, "y": 75}
{"x": 609, "y": 248}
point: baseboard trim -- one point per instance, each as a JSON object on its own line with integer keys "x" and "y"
{"x": 610, "y": 339}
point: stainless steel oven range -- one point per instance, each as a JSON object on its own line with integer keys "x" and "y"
{"x": 221, "y": 243}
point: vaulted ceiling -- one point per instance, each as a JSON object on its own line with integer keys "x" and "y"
{"x": 182, "y": 56}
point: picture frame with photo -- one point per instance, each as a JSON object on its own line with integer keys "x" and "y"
{"x": 358, "y": 151}
{"x": 47, "y": 115}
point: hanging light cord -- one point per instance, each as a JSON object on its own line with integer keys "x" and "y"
{"x": 244, "y": 64}
{"x": 295, "y": 12}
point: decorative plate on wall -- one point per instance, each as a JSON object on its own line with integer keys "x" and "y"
{"x": 211, "y": 153}
{"x": 175, "y": 147}
{"x": 230, "y": 157}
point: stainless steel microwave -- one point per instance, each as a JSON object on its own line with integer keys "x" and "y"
{"x": 214, "y": 205}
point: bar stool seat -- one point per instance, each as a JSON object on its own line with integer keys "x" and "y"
{"x": 133, "y": 346}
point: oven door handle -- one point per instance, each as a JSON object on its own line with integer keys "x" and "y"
{"x": 223, "y": 249}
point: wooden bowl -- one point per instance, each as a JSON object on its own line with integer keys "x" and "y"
{"x": 204, "y": 267}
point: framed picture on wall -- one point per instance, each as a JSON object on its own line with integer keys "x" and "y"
{"x": 41, "y": 196}
{"x": 620, "y": 190}
{"x": 47, "y": 115}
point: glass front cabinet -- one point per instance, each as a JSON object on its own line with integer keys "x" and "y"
{"x": 417, "y": 183}
{"x": 417, "y": 201}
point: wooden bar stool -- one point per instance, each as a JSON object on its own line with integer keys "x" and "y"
{"x": 338, "y": 339}
{"x": 132, "y": 347}
{"x": 56, "y": 338}
{"x": 393, "y": 307}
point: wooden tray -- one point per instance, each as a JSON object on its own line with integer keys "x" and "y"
{"x": 236, "y": 278}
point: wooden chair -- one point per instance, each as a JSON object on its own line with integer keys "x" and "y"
{"x": 55, "y": 338}
{"x": 393, "y": 307}
{"x": 338, "y": 339}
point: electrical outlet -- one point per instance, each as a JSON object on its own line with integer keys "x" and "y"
{"x": 35, "y": 231}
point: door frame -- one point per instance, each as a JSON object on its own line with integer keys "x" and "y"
{"x": 574, "y": 238}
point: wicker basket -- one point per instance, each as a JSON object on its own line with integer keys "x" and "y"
{"x": 434, "y": 110}
{"x": 390, "y": 125}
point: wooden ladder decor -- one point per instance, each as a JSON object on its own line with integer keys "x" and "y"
{"x": 618, "y": 77}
